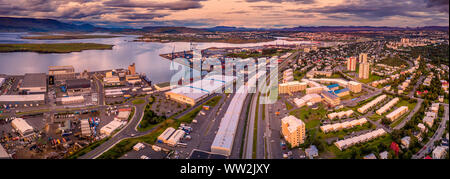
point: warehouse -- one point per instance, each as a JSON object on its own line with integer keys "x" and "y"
{"x": 223, "y": 142}
{"x": 193, "y": 93}
{"x": 124, "y": 114}
{"x": 165, "y": 135}
{"x": 71, "y": 100}
{"x": 112, "y": 126}
{"x": 78, "y": 87}
{"x": 3, "y": 153}
{"x": 175, "y": 138}
{"x": 397, "y": 113}
{"x": 85, "y": 128}
{"x": 34, "y": 83}
{"x": 23, "y": 99}
{"x": 388, "y": 106}
{"x": 22, "y": 127}
{"x": 371, "y": 104}
{"x": 61, "y": 73}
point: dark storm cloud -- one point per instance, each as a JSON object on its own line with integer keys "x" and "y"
{"x": 137, "y": 16}
{"x": 441, "y": 5}
{"x": 281, "y": 1}
{"x": 179, "y": 5}
{"x": 376, "y": 10}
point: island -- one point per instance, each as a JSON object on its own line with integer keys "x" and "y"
{"x": 53, "y": 48}
{"x": 68, "y": 37}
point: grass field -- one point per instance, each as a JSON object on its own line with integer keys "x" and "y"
{"x": 68, "y": 37}
{"x": 310, "y": 116}
{"x": 138, "y": 101}
{"x": 53, "y": 48}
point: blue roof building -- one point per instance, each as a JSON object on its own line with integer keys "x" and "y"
{"x": 341, "y": 90}
{"x": 333, "y": 86}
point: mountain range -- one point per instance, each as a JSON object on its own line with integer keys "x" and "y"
{"x": 11, "y": 24}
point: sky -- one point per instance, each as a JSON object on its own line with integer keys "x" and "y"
{"x": 238, "y": 13}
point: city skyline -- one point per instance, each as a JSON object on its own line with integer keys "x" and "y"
{"x": 258, "y": 13}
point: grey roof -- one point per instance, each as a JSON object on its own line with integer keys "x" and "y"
{"x": 34, "y": 80}
{"x": 3, "y": 153}
{"x": 78, "y": 83}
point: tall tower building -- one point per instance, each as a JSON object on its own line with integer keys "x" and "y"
{"x": 132, "y": 69}
{"x": 362, "y": 57}
{"x": 364, "y": 70}
{"x": 293, "y": 130}
{"x": 351, "y": 64}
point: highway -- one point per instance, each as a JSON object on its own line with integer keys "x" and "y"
{"x": 437, "y": 136}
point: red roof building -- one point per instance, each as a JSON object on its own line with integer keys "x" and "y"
{"x": 395, "y": 148}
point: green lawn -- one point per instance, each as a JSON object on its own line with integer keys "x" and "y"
{"x": 309, "y": 116}
{"x": 53, "y": 48}
{"x": 370, "y": 79}
{"x": 288, "y": 105}
{"x": 138, "y": 101}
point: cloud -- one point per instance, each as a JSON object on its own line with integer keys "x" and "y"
{"x": 281, "y": 1}
{"x": 375, "y": 10}
{"x": 441, "y": 5}
{"x": 142, "y": 16}
{"x": 178, "y": 5}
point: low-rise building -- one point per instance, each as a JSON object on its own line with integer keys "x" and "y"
{"x": 439, "y": 152}
{"x": 291, "y": 87}
{"x": 397, "y": 113}
{"x": 371, "y": 104}
{"x": 330, "y": 98}
{"x": 78, "y": 87}
{"x": 387, "y": 106}
{"x": 405, "y": 142}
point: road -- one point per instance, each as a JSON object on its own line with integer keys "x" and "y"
{"x": 437, "y": 136}
{"x": 126, "y": 132}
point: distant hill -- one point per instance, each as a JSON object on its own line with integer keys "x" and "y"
{"x": 11, "y": 24}
{"x": 357, "y": 28}
{"x": 171, "y": 30}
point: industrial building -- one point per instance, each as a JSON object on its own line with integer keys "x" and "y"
{"x": 387, "y": 106}
{"x": 124, "y": 114}
{"x": 293, "y": 130}
{"x": 23, "y": 99}
{"x": 291, "y": 87}
{"x": 175, "y": 138}
{"x": 198, "y": 90}
{"x": 224, "y": 139}
{"x": 71, "y": 100}
{"x": 62, "y": 73}
{"x": 371, "y": 104}
{"x": 112, "y": 126}
{"x": 3, "y": 153}
{"x": 22, "y": 127}
{"x": 165, "y": 135}
{"x": 343, "y": 125}
{"x": 78, "y": 87}
{"x": 397, "y": 113}
{"x": 85, "y": 128}
{"x": 34, "y": 83}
